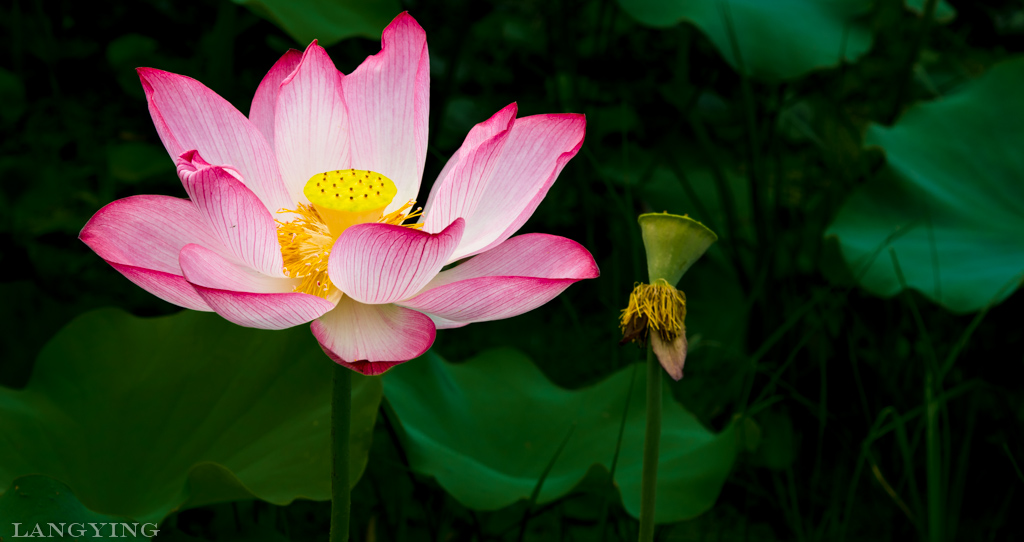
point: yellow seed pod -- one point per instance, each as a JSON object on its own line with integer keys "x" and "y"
{"x": 351, "y": 190}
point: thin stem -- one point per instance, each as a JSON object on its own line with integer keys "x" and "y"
{"x": 1014, "y": 462}
{"x": 540, "y": 483}
{"x": 919, "y": 43}
{"x": 936, "y": 518}
{"x": 341, "y": 420}
{"x": 756, "y": 190}
{"x": 652, "y": 440}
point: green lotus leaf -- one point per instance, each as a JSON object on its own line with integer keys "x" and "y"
{"x": 37, "y": 500}
{"x": 328, "y": 21}
{"x": 950, "y": 206}
{"x": 781, "y": 39}
{"x": 142, "y": 417}
{"x": 486, "y": 430}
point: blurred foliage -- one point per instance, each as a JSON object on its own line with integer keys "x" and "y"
{"x": 943, "y": 11}
{"x": 829, "y": 378}
{"x": 142, "y": 417}
{"x": 804, "y": 34}
{"x": 328, "y": 21}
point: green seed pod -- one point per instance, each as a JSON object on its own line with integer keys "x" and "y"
{"x": 673, "y": 243}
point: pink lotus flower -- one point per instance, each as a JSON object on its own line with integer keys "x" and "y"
{"x": 297, "y": 213}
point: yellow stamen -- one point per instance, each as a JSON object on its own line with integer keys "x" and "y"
{"x": 339, "y": 199}
{"x": 399, "y": 216}
{"x": 305, "y": 247}
{"x": 658, "y": 306}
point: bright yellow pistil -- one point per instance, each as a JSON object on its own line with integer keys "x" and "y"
{"x": 338, "y": 200}
{"x": 657, "y": 306}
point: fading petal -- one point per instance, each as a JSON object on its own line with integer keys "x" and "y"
{"x": 382, "y": 263}
{"x": 671, "y": 354}
{"x": 388, "y": 99}
{"x": 187, "y": 115}
{"x": 537, "y": 149}
{"x": 517, "y": 276}
{"x": 204, "y": 267}
{"x": 311, "y": 124}
{"x": 264, "y": 103}
{"x": 233, "y": 213}
{"x": 465, "y": 177}
{"x": 372, "y": 338}
{"x": 264, "y": 311}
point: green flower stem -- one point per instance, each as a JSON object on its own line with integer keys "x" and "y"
{"x": 652, "y": 440}
{"x": 341, "y": 420}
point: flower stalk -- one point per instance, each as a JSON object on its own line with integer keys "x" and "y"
{"x": 657, "y": 311}
{"x": 652, "y": 444}
{"x": 341, "y": 421}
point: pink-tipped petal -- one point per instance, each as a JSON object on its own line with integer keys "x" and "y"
{"x": 381, "y": 263}
{"x": 528, "y": 255}
{"x": 517, "y": 276}
{"x": 488, "y": 298}
{"x": 187, "y": 115}
{"x": 169, "y": 287}
{"x": 372, "y": 338}
{"x": 537, "y": 149}
{"x": 264, "y": 103}
{"x": 265, "y": 311}
{"x": 147, "y": 231}
{"x": 233, "y": 213}
{"x": 367, "y": 368}
{"x": 311, "y": 124}
{"x": 465, "y": 177}
{"x": 204, "y": 267}
{"x": 141, "y": 237}
{"x": 388, "y": 99}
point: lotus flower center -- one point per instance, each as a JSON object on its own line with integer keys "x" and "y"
{"x": 338, "y": 200}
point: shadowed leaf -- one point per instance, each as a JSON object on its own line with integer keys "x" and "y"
{"x": 494, "y": 423}
{"x": 781, "y": 39}
{"x": 951, "y": 204}
{"x": 328, "y": 21}
{"x": 142, "y": 417}
{"x": 41, "y": 500}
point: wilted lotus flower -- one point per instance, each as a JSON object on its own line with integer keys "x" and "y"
{"x": 658, "y": 310}
{"x": 297, "y": 213}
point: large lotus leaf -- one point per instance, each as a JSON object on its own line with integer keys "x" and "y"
{"x": 486, "y": 429}
{"x": 780, "y": 39}
{"x": 328, "y": 21}
{"x": 34, "y": 502}
{"x": 952, "y": 203}
{"x": 141, "y": 417}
